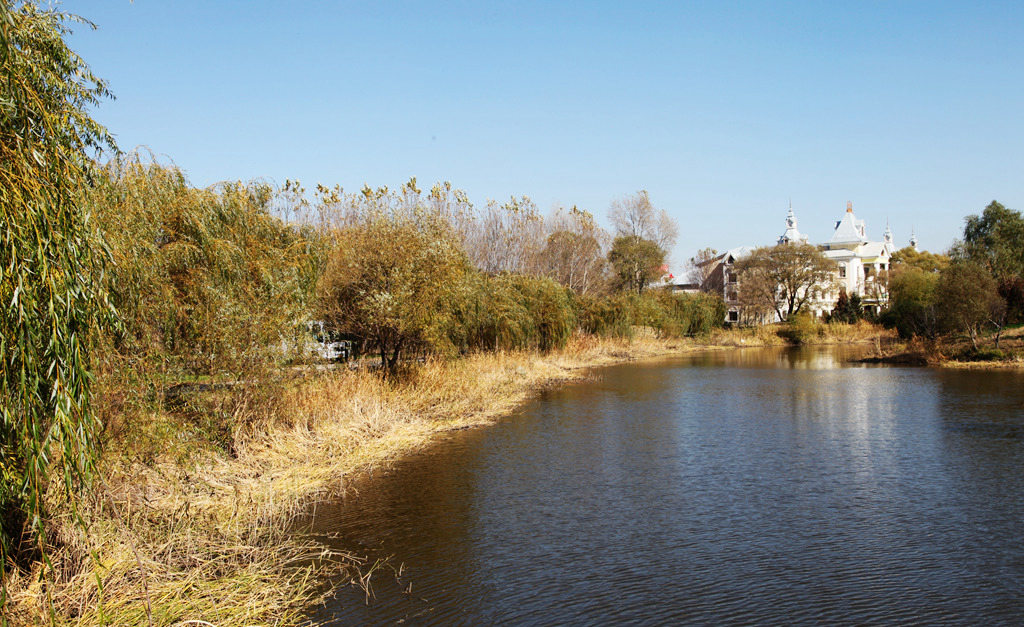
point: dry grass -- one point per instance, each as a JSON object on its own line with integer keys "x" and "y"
{"x": 773, "y": 334}
{"x": 208, "y": 536}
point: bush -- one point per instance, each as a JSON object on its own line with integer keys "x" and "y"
{"x": 670, "y": 315}
{"x": 605, "y": 317}
{"x": 983, "y": 354}
{"x": 801, "y": 329}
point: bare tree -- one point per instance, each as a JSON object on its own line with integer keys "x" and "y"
{"x": 701, "y": 266}
{"x": 635, "y": 216}
{"x": 574, "y": 252}
{"x": 507, "y": 237}
{"x": 783, "y": 277}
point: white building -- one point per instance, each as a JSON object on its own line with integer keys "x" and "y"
{"x": 861, "y": 268}
{"x": 862, "y": 265}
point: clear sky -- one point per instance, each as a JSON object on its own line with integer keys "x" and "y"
{"x": 722, "y": 111}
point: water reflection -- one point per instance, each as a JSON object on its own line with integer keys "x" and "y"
{"x": 741, "y": 486}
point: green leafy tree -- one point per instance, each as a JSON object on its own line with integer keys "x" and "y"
{"x": 995, "y": 240}
{"x": 52, "y": 301}
{"x": 784, "y": 277}
{"x": 912, "y": 309}
{"x": 635, "y": 261}
{"x": 847, "y": 309}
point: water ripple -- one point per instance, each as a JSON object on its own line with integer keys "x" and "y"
{"x": 710, "y": 491}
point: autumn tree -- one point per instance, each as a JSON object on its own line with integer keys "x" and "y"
{"x": 783, "y": 278}
{"x": 908, "y": 257}
{"x": 390, "y": 282}
{"x": 573, "y": 252}
{"x": 968, "y": 299}
{"x": 506, "y": 237}
{"x": 701, "y": 268}
{"x": 636, "y": 262}
{"x": 635, "y": 216}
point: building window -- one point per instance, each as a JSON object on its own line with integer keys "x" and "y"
{"x": 842, "y": 272}
{"x": 734, "y": 316}
{"x": 731, "y": 276}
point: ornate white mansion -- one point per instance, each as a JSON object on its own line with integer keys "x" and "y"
{"x": 861, "y": 266}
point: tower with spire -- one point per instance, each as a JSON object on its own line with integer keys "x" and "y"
{"x": 887, "y": 239}
{"x": 792, "y": 235}
{"x": 913, "y": 240}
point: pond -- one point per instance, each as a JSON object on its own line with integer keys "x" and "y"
{"x": 749, "y": 486}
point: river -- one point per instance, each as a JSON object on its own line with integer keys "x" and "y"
{"x": 750, "y": 486}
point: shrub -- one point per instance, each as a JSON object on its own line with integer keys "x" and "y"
{"x": 606, "y": 317}
{"x": 801, "y": 328}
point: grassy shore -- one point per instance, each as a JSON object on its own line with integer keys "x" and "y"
{"x": 959, "y": 352}
{"x": 182, "y": 530}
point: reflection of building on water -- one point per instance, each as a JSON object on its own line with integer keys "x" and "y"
{"x": 861, "y": 268}
{"x": 808, "y": 358}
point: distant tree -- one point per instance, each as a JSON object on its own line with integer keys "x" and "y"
{"x": 636, "y": 262}
{"x": 783, "y": 278}
{"x": 922, "y": 259}
{"x": 506, "y": 237}
{"x": 573, "y": 254}
{"x": 635, "y": 216}
{"x": 995, "y": 240}
{"x": 701, "y": 267}
{"x": 391, "y": 282}
{"x": 968, "y": 299}
{"x": 912, "y": 307}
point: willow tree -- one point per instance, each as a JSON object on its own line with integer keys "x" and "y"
{"x": 49, "y": 266}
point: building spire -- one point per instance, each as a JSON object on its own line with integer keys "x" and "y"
{"x": 849, "y": 206}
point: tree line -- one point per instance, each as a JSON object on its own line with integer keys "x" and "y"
{"x": 977, "y": 288}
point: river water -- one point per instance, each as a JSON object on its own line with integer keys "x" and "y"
{"x": 752, "y": 486}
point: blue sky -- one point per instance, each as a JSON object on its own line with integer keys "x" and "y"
{"x": 722, "y": 111}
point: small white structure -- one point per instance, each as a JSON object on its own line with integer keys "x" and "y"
{"x": 792, "y": 235}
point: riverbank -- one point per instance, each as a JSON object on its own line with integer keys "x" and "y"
{"x": 957, "y": 353}
{"x": 188, "y": 532}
